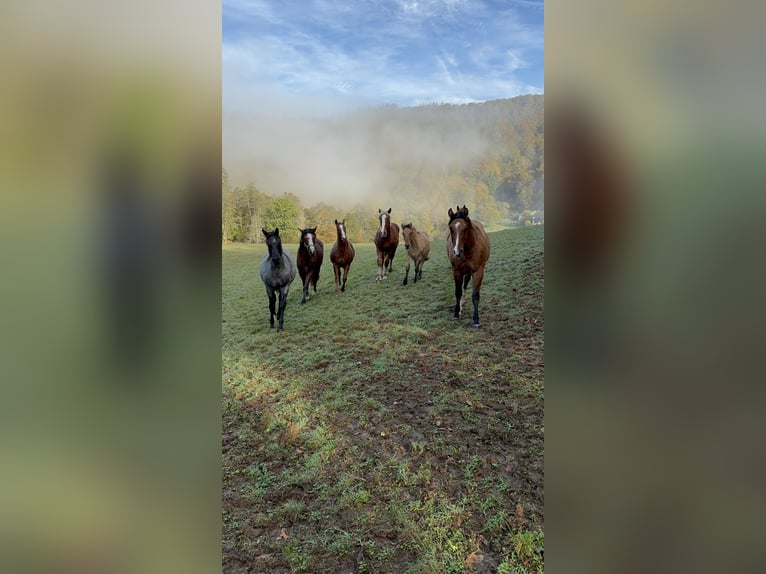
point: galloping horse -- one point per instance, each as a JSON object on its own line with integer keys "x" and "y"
{"x": 310, "y": 257}
{"x": 277, "y": 272}
{"x": 341, "y": 255}
{"x": 418, "y": 248}
{"x": 386, "y": 242}
{"x": 468, "y": 250}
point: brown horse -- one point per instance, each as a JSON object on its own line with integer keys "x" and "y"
{"x": 341, "y": 255}
{"x": 310, "y": 257}
{"x": 418, "y": 247}
{"x": 468, "y": 250}
{"x": 386, "y": 242}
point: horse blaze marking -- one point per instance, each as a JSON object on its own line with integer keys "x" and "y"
{"x": 342, "y": 231}
{"x": 455, "y": 249}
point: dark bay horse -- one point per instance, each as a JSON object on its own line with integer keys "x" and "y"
{"x": 341, "y": 255}
{"x": 386, "y": 242}
{"x": 468, "y": 250}
{"x": 310, "y": 257}
{"x": 277, "y": 272}
{"x": 418, "y": 248}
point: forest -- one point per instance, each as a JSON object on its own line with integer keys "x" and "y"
{"x": 419, "y": 161}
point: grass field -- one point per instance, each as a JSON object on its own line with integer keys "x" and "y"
{"x": 376, "y": 434}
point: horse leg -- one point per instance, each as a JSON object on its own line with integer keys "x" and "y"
{"x": 379, "y": 276}
{"x": 458, "y": 293}
{"x": 306, "y": 287}
{"x": 282, "y": 304}
{"x": 272, "y": 304}
{"x": 407, "y": 273}
{"x": 336, "y": 271}
{"x": 418, "y": 265}
{"x": 314, "y": 279}
{"x": 478, "y": 276}
{"x": 345, "y": 276}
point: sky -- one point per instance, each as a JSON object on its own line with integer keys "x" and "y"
{"x": 348, "y": 53}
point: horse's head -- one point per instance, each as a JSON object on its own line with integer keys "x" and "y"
{"x": 308, "y": 238}
{"x": 459, "y": 223}
{"x": 384, "y": 217}
{"x": 407, "y": 231}
{"x": 340, "y": 227}
{"x": 273, "y": 244}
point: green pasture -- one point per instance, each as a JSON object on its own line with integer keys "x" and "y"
{"x": 376, "y": 433}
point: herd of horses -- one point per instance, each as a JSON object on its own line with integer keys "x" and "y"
{"x": 467, "y": 249}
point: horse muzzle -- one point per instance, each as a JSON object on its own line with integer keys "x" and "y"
{"x": 407, "y": 247}
{"x": 311, "y": 250}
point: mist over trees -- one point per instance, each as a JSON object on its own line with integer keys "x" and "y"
{"x": 419, "y": 161}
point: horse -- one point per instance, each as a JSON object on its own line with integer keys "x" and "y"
{"x": 418, "y": 248}
{"x": 277, "y": 272}
{"x": 341, "y": 255}
{"x": 468, "y": 250}
{"x": 310, "y": 257}
{"x": 386, "y": 242}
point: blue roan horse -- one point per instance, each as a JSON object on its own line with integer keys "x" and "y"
{"x": 277, "y": 272}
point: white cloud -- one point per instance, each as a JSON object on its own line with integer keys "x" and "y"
{"x": 369, "y": 51}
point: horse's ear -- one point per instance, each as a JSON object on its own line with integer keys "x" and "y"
{"x": 313, "y": 230}
{"x": 380, "y": 210}
{"x": 344, "y": 221}
{"x": 276, "y": 231}
{"x": 336, "y": 222}
{"x": 265, "y": 233}
{"x": 389, "y": 210}
{"x": 451, "y": 213}
{"x": 465, "y": 209}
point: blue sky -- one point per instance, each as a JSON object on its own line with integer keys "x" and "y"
{"x": 369, "y": 52}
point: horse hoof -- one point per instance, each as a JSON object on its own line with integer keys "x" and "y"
{"x": 476, "y": 325}
{"x": 455, "y": 317}
{"x": 303, "y": 302}
{"x": 404, "y": 282}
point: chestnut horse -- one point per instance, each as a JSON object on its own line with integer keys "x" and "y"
{"x": 418, "y": 247}
{"x": 468, "y": 250}
{"x": 310, "y": 256}
{"x": 341, "y": 255}
{"x": 277, "y": 272}
{"x": 386, "y": 242}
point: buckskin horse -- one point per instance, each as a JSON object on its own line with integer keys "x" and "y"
{"x": 310, "y": 257}
{"x": 468, "y": 250}
{"x": 418, "y": 247}
{"x": 341, "y": 255}
{"x": 277, "y": 272}
{"x": 386, "y": 242}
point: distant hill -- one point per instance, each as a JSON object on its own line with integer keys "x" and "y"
{"x": 417, "y": 160}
